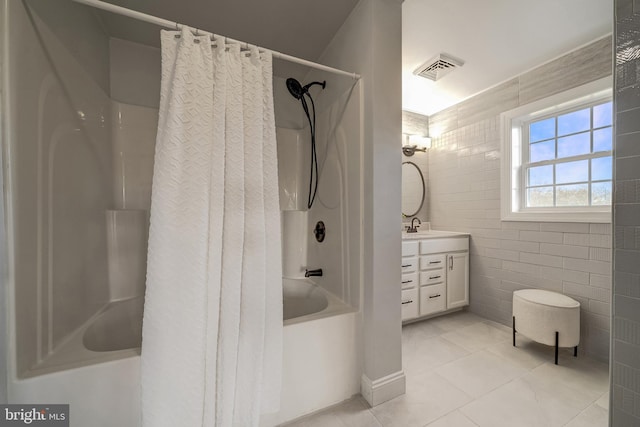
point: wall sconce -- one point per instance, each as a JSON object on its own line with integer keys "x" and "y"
{"x": 413, "y": 143}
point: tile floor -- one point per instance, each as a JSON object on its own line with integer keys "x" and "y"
{"x": 462, "y": 371}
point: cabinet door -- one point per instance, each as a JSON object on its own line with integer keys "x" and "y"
{"x": 457, "y": 280}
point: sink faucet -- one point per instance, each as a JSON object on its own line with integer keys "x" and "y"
{"x": 414, "y": 228}
{"x": 311, "y": 273}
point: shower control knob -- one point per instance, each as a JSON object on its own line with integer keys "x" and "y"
{"x": 320, "y": 231}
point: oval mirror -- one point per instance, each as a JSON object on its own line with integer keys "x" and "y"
{"x": 413, "y": 190}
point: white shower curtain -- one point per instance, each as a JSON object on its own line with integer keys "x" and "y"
{"x": 212, "y": 330}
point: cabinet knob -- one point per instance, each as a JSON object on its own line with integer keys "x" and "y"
{"x": 407, "y": 302}
{"x": 407, "y": 281}
{"x": 434, "y": 296}
{"x": 434, "y": 277}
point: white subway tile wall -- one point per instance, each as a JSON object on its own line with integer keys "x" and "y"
{"x": 625, "y": 380}
{"x": 464, "y": 173}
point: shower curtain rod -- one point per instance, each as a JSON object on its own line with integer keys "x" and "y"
{"x": 175, "y": 25}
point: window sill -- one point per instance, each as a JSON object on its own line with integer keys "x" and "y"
{"x": 593, "y": 217}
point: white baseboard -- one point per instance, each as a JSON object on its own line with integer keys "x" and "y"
{"x": 386, "y": 388}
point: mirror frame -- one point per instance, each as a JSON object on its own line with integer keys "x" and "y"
{"x": 423, "y": 189}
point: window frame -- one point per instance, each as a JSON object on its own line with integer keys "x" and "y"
{"x": 513, "y": 178}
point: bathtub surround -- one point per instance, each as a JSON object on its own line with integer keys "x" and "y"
{"x": 464, "y": 166}
{"x": 126, "y": 253}
{"x": 293, "y": 168}
{"x": 133, "y": 138}
{"x": 213, "y": 356}
{"x": 56, "y": 100}
{"x": 625, "y": 340}
{"x": 295, "y": 235}
{"x": 134, "y": 73}
{"x": 339, "y": 142}
{"x": 57, "y": 111}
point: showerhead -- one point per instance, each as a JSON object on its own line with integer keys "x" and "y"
{"x": 297, "y": 90}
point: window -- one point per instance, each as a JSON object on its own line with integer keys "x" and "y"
{"x": 557, "y": 157}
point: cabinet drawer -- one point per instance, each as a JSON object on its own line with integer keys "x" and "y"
{"x": 432, "y": 261}
{"x": 409, "y": 304}
{"x": 409, "y": 248}
{"x": 409, "y": 264}
{"x": 432, "y": 277}
{"x": 432, "y": 299}
{"x": 409, "y": 280}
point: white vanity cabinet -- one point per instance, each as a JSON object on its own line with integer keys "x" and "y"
{"x": 440, "y": 281}
{"x": 409, "y": 281}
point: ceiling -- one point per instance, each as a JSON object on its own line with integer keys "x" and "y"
{"x": 301, "y": 28}
{"x": 497, "y": 39}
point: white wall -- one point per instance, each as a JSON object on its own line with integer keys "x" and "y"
{"x": 369, "y": 43}
{"x": 464, "y": 170}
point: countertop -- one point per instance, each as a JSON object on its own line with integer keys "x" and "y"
{"x": 431, "y": 234}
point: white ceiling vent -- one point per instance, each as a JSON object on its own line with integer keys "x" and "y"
{"x": 438, "y": 67}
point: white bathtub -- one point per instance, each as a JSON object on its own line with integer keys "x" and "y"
{"x": 97, "y": 370}
{"x": 101, "y": 387}
{"x": 321, "y": 361}
{"x": 304, "y": 301}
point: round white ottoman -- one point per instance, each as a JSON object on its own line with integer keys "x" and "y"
{"x": 547, "y": 317}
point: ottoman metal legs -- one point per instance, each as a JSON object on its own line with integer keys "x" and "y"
{"x": 543, "y": 313}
